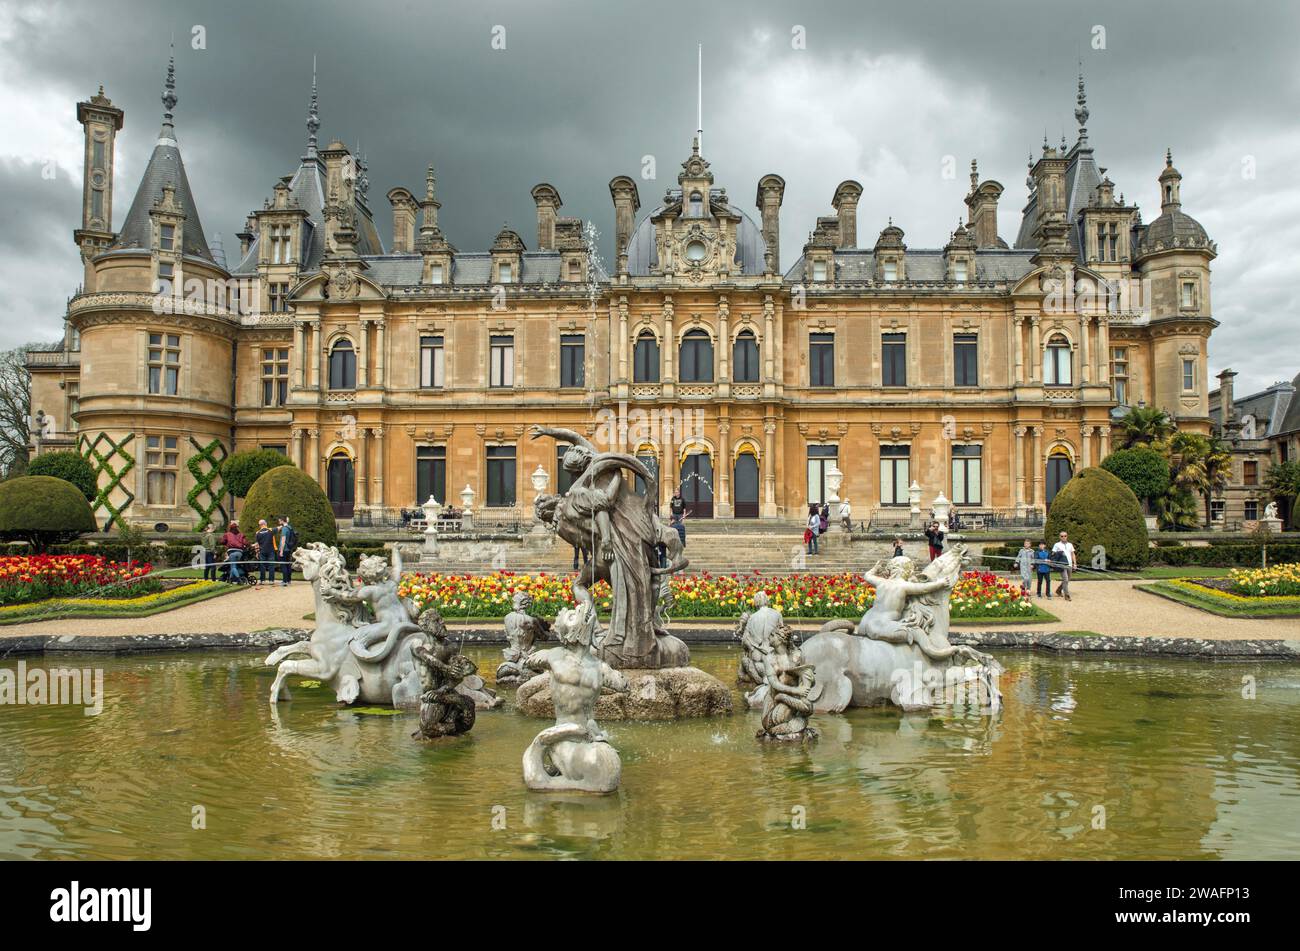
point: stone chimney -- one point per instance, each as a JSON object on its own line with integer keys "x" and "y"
{"x": 626, "y": 202}
{"x": 771, "y": 191}
{"x": 548, "y": 203}
{"x": 982, "y": 209}
{"x": 845, "y": 204}
{"x": 1228, "y": 421}
{"x": 404, "y": 207}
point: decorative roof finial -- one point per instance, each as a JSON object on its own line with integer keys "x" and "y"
{"x": 428, "y": 183}
{"x": 1081, "y": 111}
{"x": 313, "y": 117}
{"x": 169, "y": 94}
{"x": 974, "y": 176}
{"x": 1169, "y": 158}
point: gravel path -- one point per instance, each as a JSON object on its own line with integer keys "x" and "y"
{"x": 1106, "y": 607}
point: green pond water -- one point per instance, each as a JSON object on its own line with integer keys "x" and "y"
{"x": 1167, "y": 756}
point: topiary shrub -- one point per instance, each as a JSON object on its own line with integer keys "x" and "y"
{"x": 287, "y": 490}
{"x": 242, "y": 469}
{"x": 1096, "y": 508}
{"x": 43, "y": 511}
{"x": 70, "y": 467}
{"x": 1142, "y": 469}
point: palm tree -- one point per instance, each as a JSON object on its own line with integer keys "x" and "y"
{"x": 1144, "y": 425}
{"x": 1198, "y": 464}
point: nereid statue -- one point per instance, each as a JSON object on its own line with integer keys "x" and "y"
{"x": 899, "y": 652}
{"x": 444, "y": 710}
{"x": 523, "y": 630}
{"x": 755, "y": 629}
{"x": 791, "y": 690}
{"x": 575, "y": 754}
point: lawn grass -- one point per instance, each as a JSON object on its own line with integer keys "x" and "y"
{"x": 59, "y": 608}
{"x": 1223, "y": 604}
{"x": 1154, "y": 573}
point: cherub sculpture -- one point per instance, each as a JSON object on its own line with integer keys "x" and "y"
{"x": 444, "y": 709}
{"x": 522, "y": 632}
{"x": 378, "y": 589}
{"x": 755, "y": 632}
{"x": 791, "y": 690}
{"x": 575, "y": 754}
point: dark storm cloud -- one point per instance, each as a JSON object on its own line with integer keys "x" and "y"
{"x": 583, "y": 91}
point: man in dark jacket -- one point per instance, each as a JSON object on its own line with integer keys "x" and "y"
{"x": 266, "y": 554}
{"x": 286, "y": 542}
{"x": 934, "y": 535}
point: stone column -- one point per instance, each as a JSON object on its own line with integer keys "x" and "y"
{"x": 722, "y": 469}
{"x": 769, "y": 468}
{"x": 300, "y": 351}
{"x": 1038, "y": 463}
{"x": 1036, "y": 351}
{"x": 1103, "y": 349}
{"x": 313, "y": 454}
{"x": 668, "y": 472}
{"x": 669, "y": 349}
{"x": 1085, "y": 363}
{"x": 1085, "y": 445}
{"x": 381, "y": 350}
{"x": 313, "y": 355}
{"x": 724, "y": 350}
{"x": 295, "y": 449}
{"x": 1019, "y": 469}
{"x": 378, "y": 494}
{"x": 1105, "y": 440}
{"x": 363, "y": 468}
{"x": 1018, "y": 326}
{"x": 769, "y": 340}
{"x": 623, "y": 375}
{"x": 363, "y": 356}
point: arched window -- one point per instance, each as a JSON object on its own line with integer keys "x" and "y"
{"x": 1056, "y": 362}
{"x": 744, "y": 358}
{"x": 697, "y": 357}
{"x": 697, "y": 204}
{"x": 646, "y": 359}
{"x": 343, "y": 366}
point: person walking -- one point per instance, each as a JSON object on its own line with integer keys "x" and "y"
{"x": 898, "y": 547}
{"x": 1063, "y": 556}
{"x": 1043, "y": 565}
{"x": 234, "y": 543}
{"x": 266, "y": 557}
{"x": 1025, "y": 562}
{"x": 286, "y": 543}
{"x": 209, "y": 554}
{"x": 825, "y": 517}
{"x": 814, "y": 529}
{"x": 934, "y": 537}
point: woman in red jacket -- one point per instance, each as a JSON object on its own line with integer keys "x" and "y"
{"x": 234, "y": 543}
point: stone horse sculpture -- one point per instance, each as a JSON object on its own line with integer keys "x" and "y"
{"x": 899, "y": 652}
{"x": 357, "y": 670}
{"x": 575, "y": 754}
{"x": 621, "y": 530}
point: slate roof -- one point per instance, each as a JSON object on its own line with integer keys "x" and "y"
{"x": 1082, "y": 177}
{"x": 467, "y": 269}
{"x": 165, "y": 168}
{"x": 1171, "y": 229}
{"x": 926, "y": 264}
{"x": 751, "y": 249}
{"x": 1276, "y": 409}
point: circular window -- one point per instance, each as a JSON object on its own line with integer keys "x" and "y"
{"x": 695, "y": 251}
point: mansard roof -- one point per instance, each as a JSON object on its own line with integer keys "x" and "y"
{"x": 925, "y": 265}
{"x": 751, "y": 249}
{"x": 468, "y": 269}
{"x": 165, "y": 168}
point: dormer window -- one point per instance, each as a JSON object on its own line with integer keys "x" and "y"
{"x": 959, "y": 271}
{"x": 696, "y": 204}
{"x": 280, "y": 244}
{"x": 505, "y": 273}
{"x": 167, "y": 238}
{"x": 435, "y": 274}
{"x": 819, "y": 271}
{"x": 890, "y": 271}
{"x": 575, "y": 271}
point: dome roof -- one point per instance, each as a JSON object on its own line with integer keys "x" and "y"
{"x": 751, "y": 249}
{"x": 1173, "y": 229}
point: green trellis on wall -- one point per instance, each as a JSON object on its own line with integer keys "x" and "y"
{"x": 101, "y": 452}
{"x": 205, "y": 466}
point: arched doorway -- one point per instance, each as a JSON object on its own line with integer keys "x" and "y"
{"x": 696, "y": 485}
{"x": 340, "y": 485}
{"x": 744, "y": 484}
{"x": 1059, "y": 471}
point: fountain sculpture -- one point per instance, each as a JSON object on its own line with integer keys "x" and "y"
{"x": 791, "y": 689}
{"x": 523, "y": 630}
{"x": 575, "y": 754}
{"x": 444, "y": 710}
{"x": 899, "y": 652}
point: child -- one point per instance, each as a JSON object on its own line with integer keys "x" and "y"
{"x": 898, "y": 547}
{"x": 1025, "y": 562}
{"x": 1043, "y": 564}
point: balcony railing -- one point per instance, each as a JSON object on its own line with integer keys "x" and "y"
{"x": 54, "y": 358}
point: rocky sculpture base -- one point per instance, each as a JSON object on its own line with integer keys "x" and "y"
{"x": 670, "y": 693}
{"x": 806, "y": 735}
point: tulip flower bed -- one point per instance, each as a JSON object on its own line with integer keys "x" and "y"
{"x": 977, "y": 595}
{"x": 1277, "y": 581}
{"x": 29, "y": 578}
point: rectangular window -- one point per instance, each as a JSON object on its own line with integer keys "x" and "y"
{"x": 430, "y": 474}
{"x": 1250, "y": 472}
{"x": 431, "y": 365}
{"x": 435, "y": 274}
{"x": 893, "y": 360}
{"x": 1216, "y": 510}
{"x": 275, "y": 376}
{"x": 500, "y": 476}
{"x": 563, "y": 477}
{"x": 1188, "y": 295}
{"x": 162, "y": 463}
{"x": 819, "y": 271}
{"x": 891, "y": 270}
{"x": 959, "y": 271}
{"x": 1114, "y": 242}
{"x": 820, "y": 461}
{"x": 278, "y": 447}
{"x": 164, "y": 364}
{"x": 573, "y": 350}
{"x": 98, "y": 152}
{"x": 1252, "y": 510}
{"x": 279, "y": 298}
{"x": 1119, "y": 374}
{"x": 967, "y": 486}
{"x": 167, "y": 237}
{"x": 96, "y": 203}
{"x": 821, "y": 359}
{"x": 501, "y": 364}
{"x": 1189, "y": 375}
{"x": 166, "y": 270}
{"x": 505, "y": 273}
{"x": 965, "y": 360}
{"x": 895, "y": 474}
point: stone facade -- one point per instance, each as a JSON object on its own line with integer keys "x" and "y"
{"x": 984, "y": 371}
{"x": 1258, "y": 430}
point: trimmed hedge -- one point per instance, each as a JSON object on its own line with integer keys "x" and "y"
{"x": 287, "y": 490}
{"x": 1096, "y": 508}
{"x": 240, "y": 471}
{"x": 1225, "y": 555}
{"x": 70, "y": 467}
{"x": 43, "y": 511}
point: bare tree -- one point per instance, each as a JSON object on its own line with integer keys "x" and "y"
{"x": 15, "y": 411}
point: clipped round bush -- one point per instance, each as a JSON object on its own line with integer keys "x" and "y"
{"x": 70, "y": 467}
{"x": 287, "y": 490}
{"x": 242, "y": 469}
{"x": 1096, "y": 508}
{"x": 43, "y": 511}
{"x": 1142, "y": 469}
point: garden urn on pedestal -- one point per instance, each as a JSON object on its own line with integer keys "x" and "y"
{"x": 431, "y": 510}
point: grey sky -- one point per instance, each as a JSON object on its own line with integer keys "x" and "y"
{"x": 882, "y": 93}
